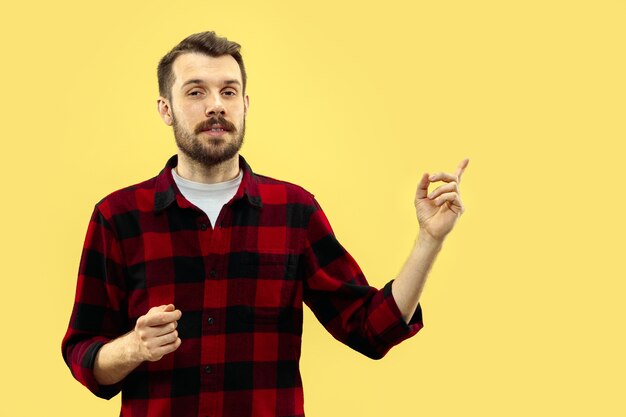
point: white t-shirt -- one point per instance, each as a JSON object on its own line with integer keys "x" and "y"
{"x": 209, "y": 198}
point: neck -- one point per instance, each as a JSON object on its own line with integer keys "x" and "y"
{"x": 207, "y": 174}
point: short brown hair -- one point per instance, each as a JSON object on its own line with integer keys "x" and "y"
{"x": 207, "y": 43}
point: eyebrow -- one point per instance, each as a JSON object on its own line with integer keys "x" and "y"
{"x": 199, "y": 81}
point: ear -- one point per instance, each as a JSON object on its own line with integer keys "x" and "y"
{"x": 246, "y": 105}
{"x": 165, "y": 110}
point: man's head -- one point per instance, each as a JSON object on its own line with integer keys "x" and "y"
{"x": 207, "y": 43}
{"x": 202, "y": 84}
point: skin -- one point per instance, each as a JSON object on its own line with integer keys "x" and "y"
{"x": 218, "y": 92}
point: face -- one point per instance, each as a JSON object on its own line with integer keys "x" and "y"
{"x": 207, "y": 108}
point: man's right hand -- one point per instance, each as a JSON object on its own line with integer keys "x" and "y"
{"x": 156, "y": 333}
{"x": 154, "y": 336}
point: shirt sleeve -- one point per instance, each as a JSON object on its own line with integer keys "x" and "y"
{"x": 97, "y": 314}
{"x": 355, "y": 313}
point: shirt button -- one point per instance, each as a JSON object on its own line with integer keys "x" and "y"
{"x": 213, "y": 273}
{"x": 207, "y": 369}
{"x": 203, "y": 226}
{"x": 210, "y": 320}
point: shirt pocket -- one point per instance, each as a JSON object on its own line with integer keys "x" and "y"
{"x": 264, "y": 317}
{"x": 264, "y": 287}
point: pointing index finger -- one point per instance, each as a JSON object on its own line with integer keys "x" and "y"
{"x": 461, "y": 168}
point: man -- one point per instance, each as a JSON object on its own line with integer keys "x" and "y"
{"x": 191, "y": 284}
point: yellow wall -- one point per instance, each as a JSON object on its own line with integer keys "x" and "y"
{"x": 524, "y": 308}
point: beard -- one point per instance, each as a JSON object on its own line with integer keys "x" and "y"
{"x": 211, "y": 151}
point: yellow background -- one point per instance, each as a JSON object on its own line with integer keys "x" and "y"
{"x": 524, "y": 307}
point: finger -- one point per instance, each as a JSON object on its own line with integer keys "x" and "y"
{"x": 164, "y": 307}
{"x": 422, "y": 187}
{"x": 452, "y": 198}
{"x": 161, "y": 318}
{"x": 161, "y": 330}
{"x": 163, "y": 340}
{"x": 168, "y": 348}
{"x": 443, "y": 176}
{"x": 159, "y": 352}
{"x": 446, "y": 188}
{"x": 154, "y": 342}
{"x": 461, "y": 168}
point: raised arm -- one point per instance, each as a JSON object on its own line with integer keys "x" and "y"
{"x": 437, "y": 214}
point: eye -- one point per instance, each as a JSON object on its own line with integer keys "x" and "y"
{"x": 195, "y": 92}
{"x": 229, "y": 93}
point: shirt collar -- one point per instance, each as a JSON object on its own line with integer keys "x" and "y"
{"x": 166, "y": 191}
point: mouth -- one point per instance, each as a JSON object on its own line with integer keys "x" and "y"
{"x": 216, "y": 130}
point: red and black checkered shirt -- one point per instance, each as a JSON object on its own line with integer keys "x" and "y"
{"x": 240, "y": 286}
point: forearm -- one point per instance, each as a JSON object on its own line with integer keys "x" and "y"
{"x": 407, "y": 287}
{"x": 116, "y": 359}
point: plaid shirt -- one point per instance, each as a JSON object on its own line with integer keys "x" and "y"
{"x": 240, "y": 286}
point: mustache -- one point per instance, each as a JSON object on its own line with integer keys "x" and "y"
{"x": 219, "y": 120}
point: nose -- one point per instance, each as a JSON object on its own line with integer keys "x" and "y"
{"x": 215, "y": 107}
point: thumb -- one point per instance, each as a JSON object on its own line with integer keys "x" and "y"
{"x": 422, "y": 187}
{"x": 164, "y": 307}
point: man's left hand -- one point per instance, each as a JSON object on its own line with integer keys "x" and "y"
{"x": 438, "y": 211}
